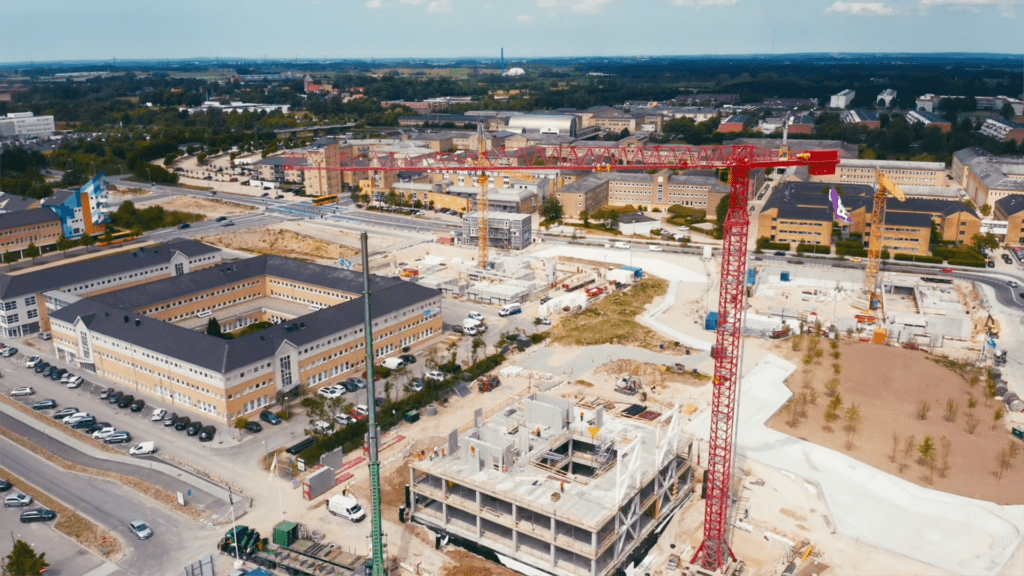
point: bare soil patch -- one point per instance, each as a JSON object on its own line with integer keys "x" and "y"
{"x": 208, "y": 208}
{"x": 281, "y": 242}
{"x": 892, "y": 387}
{"x": 467, "y": 564}
{"x": 652, "y": 374}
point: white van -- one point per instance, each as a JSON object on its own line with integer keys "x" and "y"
{"x": 622, "y": 245}
{"x": 143, "y": 449}
{"x": 393, "y": 363}
{"x": 346, "y": 507}
{"x": 510, "y": 309}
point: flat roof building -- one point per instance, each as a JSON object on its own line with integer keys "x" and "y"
{"x": 562, "y": 124}
{"x": 903, "y": 172}
{"x": 987, "y": 177}
{"x": 26, "y": 125}
{"x": 509, "y": 231}
{"x": 928, "y": 119}
{"x": 1010, "y": 209}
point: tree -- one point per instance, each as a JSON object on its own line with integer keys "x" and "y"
{"x": 551, "y": 210}
{"x": 832, "y": 387}
{"x": 832, "y": 411}
{"x": 585, "y": 217}
{"x": 64, "y": 244}
{"x": 87, "y": 241}
{"x": 108, "y": 235}
{"x": 985, "y": 209}
{"x": 213, "y": 327}
{"x": 23, "y": 561}
{"x": 32, "y": 251}
{"x": 1003, "y": 462}
{"x": 1007, "y": 111}
{"x": 10, "y": 258}
{"x": 952, "y": 409}
{"x": 908, "y": 447}
{"x": 987, "y": 241}
{"x": 971, "y": 421}
{"x": 241, "y": 423}
{"x": 895, "y": 446}
{"x": 852, "y": 424}
{"x": 927, "y": 451}
{"x": 997, "y": 417}
{"x": 722, "y": 210}
{"x": 923, "y": 407}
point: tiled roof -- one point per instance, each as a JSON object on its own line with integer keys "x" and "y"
{"x": 27, "y": 217}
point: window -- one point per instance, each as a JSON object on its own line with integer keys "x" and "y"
{"x": 32, "y": 314}
{"x": 12, "y": 305}
{"x": 286, "y": 371}
{"x": 12, "y": 319}
{"x": 30, "y": 301}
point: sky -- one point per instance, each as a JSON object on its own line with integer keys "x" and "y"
{"x": 51, "y": 30}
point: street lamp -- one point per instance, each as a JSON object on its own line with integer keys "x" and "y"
{"x": 150, "y": 176}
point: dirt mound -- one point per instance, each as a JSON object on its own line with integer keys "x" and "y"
{"x": 467, "y": 564}
{"x": 652, "y": 374}
{"x": 281, "y": 243}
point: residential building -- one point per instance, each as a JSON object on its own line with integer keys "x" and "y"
{"x": 801, "y": 124}
{"x": 25, "y": 125}
{"x": 325, "y": 181}
{"x": 868, "y": 118}
{"x": 82, "y": 211}
{"x": 904, "y": 232}
{"x": 928, "y": 119}
{"x": 151, "y": 338}
{"x": 14, "y": 203}
{"x": 436, "y": 142}
{"x": 696, "y": 189}
{"x": 735, "y": 123}
{"x": 22, "y": 293}
{"x": 704, "y": 99}
{"x": 552, "y": 487}
{"x": 986, "y": 177}
{"x": 1003, "y": 130}
{"x": 903, "y": 172}
{"x": 1010, "y": 209}
{"x": 24, "y": 227}
{"x": 281, "y": 169}
{"x": 842, "y": 100}
{"x": 695, "y": 113}
{"x": 586, "y": 194}
{"x": 885, "y": 98}
{"x": 930, "y": 103}
{"x": 509, "y": 231}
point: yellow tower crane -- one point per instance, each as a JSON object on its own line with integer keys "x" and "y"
{"x": 482, "y": 200}
{"x": 886, "y": 186}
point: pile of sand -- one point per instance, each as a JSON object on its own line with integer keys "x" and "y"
{"x": 281, "y": 242}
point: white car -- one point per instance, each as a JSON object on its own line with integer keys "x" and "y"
{"x": 77, "y": 416}
{"x": 142, "y": 449}
{"x": 321, "y": 426}
{"x": 1011, "y": 284}
{"x": 655, "y": 248}
{"x": 158, "y": 415}
{"x": 75, "y": 381}
{"x": 434, "y": 375}
{"x": 23, "y": 391}
{"x": 33, "y": 361}
{"x": 330, "y": 392}
{"x": 361, "y": 410}
{"x": 476, "y": 316}
{"x": 544, "y": 320}
{"x": 104, "y": 433}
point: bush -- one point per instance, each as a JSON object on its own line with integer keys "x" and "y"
{"x": 241, "y": 423}
{"x": 539, "y": 337}
{"x": 972, "y": 263}
{"x": 284, "y": 415}
{"x": 656, "y": 209}
{"x": 914, "y": 258}
{"x": 310, "y": 402}
{"x": 813, "y": 249}
{"x": 765, "y": 244}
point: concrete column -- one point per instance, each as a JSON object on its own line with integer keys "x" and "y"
{"x": 412, "y": 491}
{"x": 444, "y": 503}
{"x": 515, "y": 528}
{"x": 553, "y": 536}
{"x": 593, "y": 567}
{"x": 479, "y": 519}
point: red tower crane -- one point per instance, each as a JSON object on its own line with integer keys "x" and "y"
{"x": 714, "y": 552}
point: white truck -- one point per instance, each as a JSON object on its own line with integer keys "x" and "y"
{"x": 346, "y": 507}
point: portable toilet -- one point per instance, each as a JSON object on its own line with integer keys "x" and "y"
{"x": 711, "y": 322}
{"x": 784, "y": 276}
{"x": 751, "y": 277}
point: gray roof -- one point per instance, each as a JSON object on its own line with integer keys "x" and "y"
{"x": 931, "y": 117}
{"x": 27, "y": 217}
{"x": 817, "y": 214}
{"x": 845, "y": 150}
{"x": 1010, "y": 205}
{"x": 634, "y": 218}
{"x": 912, "y": 219}
{"x": 135, "y": 297}
{"x": 34, "y": 282}
{"x": 807, "y": 194}
{"x": 223, "y": 356}
{"x": 13, "y": 202}
{"x": 282, "y": 161}
{"x": 994, "y": 171}
{"x": 58, "y": 198}
{"x": 866, "y": 115}
{"x": 737, "y": 119}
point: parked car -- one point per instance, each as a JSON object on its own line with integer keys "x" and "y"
{"x": 115, "y": 397}
{"x": 220, "y": 218}
{"x": 947, "y": 270}
{"x": 33, "y": 361}
{"x": 106, "y": 393}
{"x": 182, "y": 423}
{"x": 75, "y": 381}
{"x": 654, "y": 248}
{"x": 140, "y": 529}
{"x": 118, "y": 438}
{"x": 5, "y": 485}
{"x": 207, "y": 433}
{"x": 48, "y": 371}
{"x": 65, "y": 377}
{"x": 1006, "y": 259}
{"x": 97, "y": 427}
{"x": 37, "y": 515}
{"x": 64, "y": 413}
{"x": 779, "y": 253}
{"x": 359, "y": 382}
{"x": 138, "y": 405}
{"x": 1012, "y": 284}
{"x": 125, "y": 401}
{"x": 23, "y": 391}
{"x": 42, "y": 366}
{"x": 193, "y": 427}
{"x": 434, "y": 375}
{"x": 545, "y": 300}
{"x": 45, "y": 404}
{"x": 253, "y": 427}
{"x": 228, "y": 223}
{"x": 416, "y": 385}
{"x": 360, "y": 411}
{"x": 350, "y": 386}
{"x": 184, "y": 225}
{"x": 407, "y": 358}
{"x": 344, "y": 419}
{"x": 158, "y": 414}
{"x": 10, "y": 351}
{"x": 17, "y": 499}
{"x": 142, "y": 448}
{"x": 270, "y": 418}
{"x": 69, "y": 420}
{"x": 84, "y": 423}
{"x": 45, "y": 336}
{"x": 57, "y": 373}
{"x": 329, "y": 392}
{"x": 171, "y": 419}
{"x": 543, "y": 320}
{"x": 104, "y": 433}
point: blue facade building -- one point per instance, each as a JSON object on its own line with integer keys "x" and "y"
{"x": 82, "y": 211}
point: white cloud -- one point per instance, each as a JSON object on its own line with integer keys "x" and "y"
{"x": 861, "y": 8}
{"x": 524, "y": 18}
{"x": 440, "y": 7}
{"x": 585, "y": 6}
{"x": 374, "y": 4}
{"x": 704, "y": 3}
{"x": 411, "y": 1}
{"x": 1005, "y": 6}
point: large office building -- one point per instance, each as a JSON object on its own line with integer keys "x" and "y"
{"x": 1010, "y": 209}
{"x": 553, "y": 487}
{"x": 83, "y": 210}
{"x": 842, "y": 100}
{"x": 327, "y": 180}
{"x": 24, "y": 227}
{"x": 902, "y": 172}
{"x": 561, "y": 124}
{"x": 151, "y": 338}
{"x": 987, "y": 177}
{"x": 25, "y": 125}
{"x": 23, "y": 294}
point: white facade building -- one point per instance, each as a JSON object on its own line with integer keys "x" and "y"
{"x": 26, "y": 125}
{"x": 841, "y": 100}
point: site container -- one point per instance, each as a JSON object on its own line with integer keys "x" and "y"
{"x": 286, "y": 533}
{"x": 711, "y": 322}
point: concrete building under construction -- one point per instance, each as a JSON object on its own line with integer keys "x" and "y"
{"x": 552, "y": 487}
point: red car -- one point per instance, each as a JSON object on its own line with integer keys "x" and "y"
{"x": 947, "y": 270}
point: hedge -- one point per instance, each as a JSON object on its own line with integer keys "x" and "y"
{"x": 687, "y": 211}
{"x": 765, "y": 244}
{"x": 961, "y": 262}
{"x": 813, "y": 249}
{"x": 913, "y": 258}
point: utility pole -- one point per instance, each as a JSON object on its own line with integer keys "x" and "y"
{"x": 375, "y": 527}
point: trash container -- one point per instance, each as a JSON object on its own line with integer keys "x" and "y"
{"x": 412, "y": 416}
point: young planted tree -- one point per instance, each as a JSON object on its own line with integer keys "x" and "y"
{"x": 836, "y": 355}
{"x": 32, "y": 251}
{"x": 1002, "y": 462}
{"x": 832, "y": 387}
{"x": 10, "y": 258}
{"x": 87, "y": 241}
{"x": 945, "y": 446}
{"x": 851, "y": 424}
{"x": 926, "y": 450}
{"x": 923, "y": 407}
{"x": 832, "y": 411}
{"x": 908, "y": 447}
{"x": 797, "y": 342}
{"x": 812, "y": 396}
{"x": 895, "y": 446}
{"x": 952, "y": 408}
{"x": 837, "y": 368}
{"x": 213, "y": 327}
{"x": 971, "y": 422}
{"x": 64, "y": 244}
{"x": 996, "y": 418}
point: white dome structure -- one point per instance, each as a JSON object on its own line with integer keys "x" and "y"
{"x": 514, "y": 72}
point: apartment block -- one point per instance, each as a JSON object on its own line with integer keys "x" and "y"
{"x": 1003, "y": 130}
{"x": 24, "y": 227}
{"x": 1010, "y": 209}
{"x": 323, "y": 181}
{"x": 588, "y": 193}
{"x": 868, "y": 118}
{"x": 151, "y": 337}
{"x": 842, "y": 100}
{"x": 928, "y": 119}
{"x": 509, "y": 231}
{"x": 904, "y": 173}
{"x": 988, "y": 178}
{"x": 559, "y": 488}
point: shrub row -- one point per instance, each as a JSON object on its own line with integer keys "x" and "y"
{"x": 914, "y": 258}
{"x": 813, "y": 249}
{"x": 765, "y": 244}
{"x": 972, "y": 263}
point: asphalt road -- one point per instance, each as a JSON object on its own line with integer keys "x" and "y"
{"x": 112, "y": 506}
